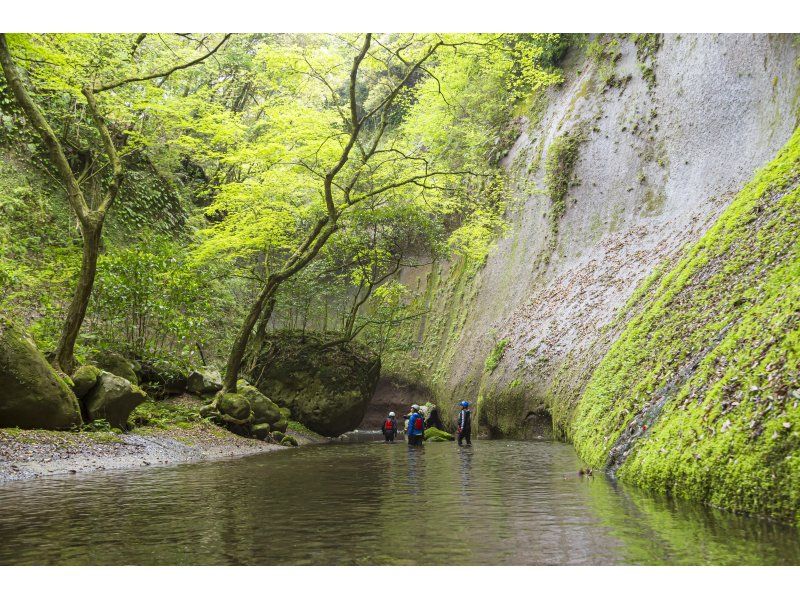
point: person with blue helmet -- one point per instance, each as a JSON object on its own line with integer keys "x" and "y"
{"x": 464, "y": 424}
{"x": 416, "y": 427}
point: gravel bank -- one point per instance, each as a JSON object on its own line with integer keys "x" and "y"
{"x": 27, "y": 454}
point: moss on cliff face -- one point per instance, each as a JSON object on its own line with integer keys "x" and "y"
{"x": 699, "y": 396}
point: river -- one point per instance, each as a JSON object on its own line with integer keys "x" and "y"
{"x": 498, "y": 502}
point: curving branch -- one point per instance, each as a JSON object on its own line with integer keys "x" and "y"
{"x": 161, "y": 74}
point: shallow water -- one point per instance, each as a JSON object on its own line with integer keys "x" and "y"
{"x": 500, "y": 502}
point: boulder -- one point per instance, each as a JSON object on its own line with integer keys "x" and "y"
{"x": 264, "y": 410}
{"x": 325, "y": 384}
{"x": 280, "y": 425}
{"x": 113, "y": 399}
{"x": 32, "y": 395}
{"x": 436, "y": 433}
{"x": 235, "y": 406}
{"x": 84, "y": 380}
{"x": 277, "y": 435}
{"x": 204, "y": 381}
{"x": 117, "y": 365}
{"x": 289, "y": 441}
{"x": 261, "y": 431}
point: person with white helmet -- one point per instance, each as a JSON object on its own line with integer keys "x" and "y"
{"x": 389, "y": 427}
{"x": 416, "y": 427}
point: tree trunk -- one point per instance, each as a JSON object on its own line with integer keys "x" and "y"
{"x": 236, "y": 356}
{"x": 261, "y": 330}
{"x": 64, "y": 358}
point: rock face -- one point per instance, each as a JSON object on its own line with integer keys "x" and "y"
{"x": 392, "y": 394}
{"x": 113, "y": 399}
{"x": 326, "y": 386}
{"x": 32, "y": 395}
{"x": 204, "y": 381}
{"x": 667, "y": 138}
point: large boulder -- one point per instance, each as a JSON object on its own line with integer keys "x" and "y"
{"x": 84, "y": 379}
{"x": 327, "y": 385}
{"x": 117, "y": 365}
{"x": 113, "y": 399}
{"x": 204, "y": 381}
{"x": 32, "y": 395}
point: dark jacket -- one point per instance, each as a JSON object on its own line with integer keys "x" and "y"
{"x": 465, "y": 420}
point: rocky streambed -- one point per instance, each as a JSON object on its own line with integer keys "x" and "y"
{"x": 28, "y": 454}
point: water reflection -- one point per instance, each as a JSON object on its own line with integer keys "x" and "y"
{"x": 496, "y": 502}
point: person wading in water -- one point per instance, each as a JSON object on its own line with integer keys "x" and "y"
{"x": 464, "y": 424}
{"x": 416, "y": 427}
{"x": 389, "y": 427}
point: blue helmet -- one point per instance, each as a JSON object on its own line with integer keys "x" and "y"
{"x": 464, "y": 404}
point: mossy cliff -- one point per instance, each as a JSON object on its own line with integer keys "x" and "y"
{"x": 616, "y": 172}
{"x": 700, "y": 395}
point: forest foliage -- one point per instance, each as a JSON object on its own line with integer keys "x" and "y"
{"x": 226, "y": 144}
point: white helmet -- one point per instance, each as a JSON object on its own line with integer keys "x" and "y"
{"x": 415, "y": 407}
{"x": 391, "y": 414}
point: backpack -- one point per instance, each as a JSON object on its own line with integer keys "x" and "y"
{"x": 418, "y": 423}
{"x": 389, "y": 425}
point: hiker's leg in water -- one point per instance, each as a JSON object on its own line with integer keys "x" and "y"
{"x": 468, "y": 436}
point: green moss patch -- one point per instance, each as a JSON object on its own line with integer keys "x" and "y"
{"x": 699, "y": 396}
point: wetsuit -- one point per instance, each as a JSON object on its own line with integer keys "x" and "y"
{"x": 416, "y": 434}
{"x": 464, "y": 426}
{"x": 389, "y": 429}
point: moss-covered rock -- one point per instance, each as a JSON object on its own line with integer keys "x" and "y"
{"x": 289, "y": 440}
{"x": 281, "y": 425}
{"x": 117, "y": 365}
{"x": 436, "y": 439}
{"x": 234, "y": 405}
{"x": 32, "y": 395}
{"x": 325, "y": 384}
{"x": 84, "y": 380}
{"x": 261, "y": 431}
{"x": 204, "y": 381}
{"x": 113, "y": 399}
{"x": 264, "y": 410}
{"x": 436, "y": 433}
{"x": 277, "y": 435}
